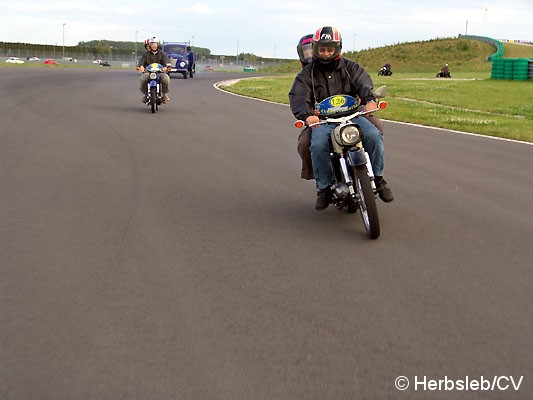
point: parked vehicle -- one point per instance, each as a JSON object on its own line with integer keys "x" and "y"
{"x": 182, "y": 58}
{"x": 354, "y": 187}
{"x": 49, "y": 61}
{"x": 14, "y": 60}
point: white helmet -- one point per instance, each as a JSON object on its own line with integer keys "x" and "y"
{"x": 154, "y": 40}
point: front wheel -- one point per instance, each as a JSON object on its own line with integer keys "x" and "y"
{"x": 153, "y": 98}
{"x": 367, "y": 201}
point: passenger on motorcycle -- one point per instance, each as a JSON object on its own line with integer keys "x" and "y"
{"x": 154, "y": 55}
{"x": 330, "y": 74}
{"x": 305, "y": 53}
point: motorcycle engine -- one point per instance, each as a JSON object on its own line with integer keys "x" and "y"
{"x": 341, "y": 191}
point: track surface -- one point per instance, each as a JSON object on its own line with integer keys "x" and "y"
{"x": 178, "y": 255}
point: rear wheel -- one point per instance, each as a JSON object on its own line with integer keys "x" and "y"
{"x": 153, "y": 98}
{"x": 367, "y": 201}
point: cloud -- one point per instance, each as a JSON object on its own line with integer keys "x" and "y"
{"x": 199, "y": 8}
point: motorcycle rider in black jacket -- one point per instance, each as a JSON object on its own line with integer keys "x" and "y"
{"x": 329, "y": 74}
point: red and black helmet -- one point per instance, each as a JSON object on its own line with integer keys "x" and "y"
{"x": 328, "y": 36}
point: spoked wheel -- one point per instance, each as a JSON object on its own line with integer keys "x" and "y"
{"x": 153, "y": 98}
{"x": 367, "y": 201}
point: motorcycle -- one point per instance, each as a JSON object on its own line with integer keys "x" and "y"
{"x": 384, "y": 71}
{"x": 443, "y": 74}
{"x": 154, "y": 86}
{"x": 354, "y": 186}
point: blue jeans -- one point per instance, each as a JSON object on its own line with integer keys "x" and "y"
{"x": 320, "y": 150}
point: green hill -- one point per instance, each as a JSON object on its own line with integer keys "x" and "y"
{"x": 463, "y": 55}
{"x": 514, "y": 50}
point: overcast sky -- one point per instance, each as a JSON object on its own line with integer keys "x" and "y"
{"x": 267, "y": 28}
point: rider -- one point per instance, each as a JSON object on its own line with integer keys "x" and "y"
{"x": 445, "y": 71}
{"x": 305, "y": 53}
{"x": 387, "y": 67}
{"x": 154, "y": 55}
{"x": 330, "y": 74}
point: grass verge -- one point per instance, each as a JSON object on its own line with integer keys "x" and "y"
{"x": 469, "y": 102}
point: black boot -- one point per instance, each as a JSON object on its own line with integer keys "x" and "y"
{"x": 323, "y": 199}
{"x": 384, "y": 192}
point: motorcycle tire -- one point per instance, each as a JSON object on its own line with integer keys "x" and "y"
{"x": 367, "y": 201}
{"x": 153, "y": 98}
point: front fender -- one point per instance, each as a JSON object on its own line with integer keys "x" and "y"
{"x": 356, "y": 157}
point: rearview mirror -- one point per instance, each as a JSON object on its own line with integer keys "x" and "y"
{"x": 380, "y": 92}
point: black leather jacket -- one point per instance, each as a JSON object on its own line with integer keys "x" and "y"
{"x": 317, "y": 81}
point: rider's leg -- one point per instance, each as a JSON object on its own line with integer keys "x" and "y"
{"x": 373, "y": 142}
{"x": 320, "y": 150}
{"x": 143, "y": 83}
{"x": 304, "y": 143}
{"x": 165, "y": 82}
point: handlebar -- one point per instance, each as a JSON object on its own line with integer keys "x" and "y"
{"x": 381, "y": 105}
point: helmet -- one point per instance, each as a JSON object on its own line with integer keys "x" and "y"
{"x": 327, "y": 36}
{"x": 154, "y": 40}
{"x": 305, "y": 49}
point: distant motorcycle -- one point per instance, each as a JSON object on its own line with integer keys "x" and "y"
{"x": 154, "y": 94}
{"x": 384, "y": 71}
{"x": 354, "y": 185}
{"x": 443, "y": 74}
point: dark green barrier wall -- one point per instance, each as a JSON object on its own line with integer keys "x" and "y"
{"x": 518, "y": 69}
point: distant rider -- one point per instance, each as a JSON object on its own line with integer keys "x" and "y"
{"x": 445, "y": 72}
{"x": 330, "y": 74}
{"x": 154, "y": 55}
{"x": 387, "y": 70}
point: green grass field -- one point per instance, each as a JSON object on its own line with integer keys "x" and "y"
{"x": 469, "y": 102}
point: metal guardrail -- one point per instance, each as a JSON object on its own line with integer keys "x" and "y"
{"x": 494, "y": 42}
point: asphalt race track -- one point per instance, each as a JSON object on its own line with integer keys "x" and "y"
{"x": 179, "y": 255}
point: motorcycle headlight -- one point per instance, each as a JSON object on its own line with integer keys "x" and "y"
{"x": 349, "y": 135}
{"x": 153, "y": 75}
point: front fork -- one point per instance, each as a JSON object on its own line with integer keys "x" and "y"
{"x": 152, "y": 83}
{"x": 355, "y": 158}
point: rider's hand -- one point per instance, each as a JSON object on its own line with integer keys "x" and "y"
{"x": 312, "y": 119}
{"x": 371, "y": 106}
{"x": 141, "y": 68}
{"x": 165, "y": 69}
